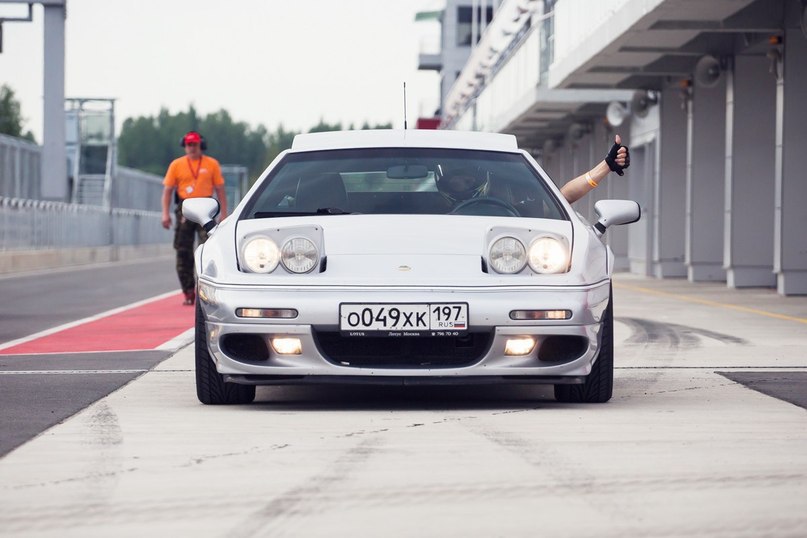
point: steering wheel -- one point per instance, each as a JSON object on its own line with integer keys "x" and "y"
{"x": 485, "y": 206}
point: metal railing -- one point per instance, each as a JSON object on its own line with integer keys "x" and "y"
{"x": 27, "y": 223}
{"x": 135, "y": 189}
{"x": 20, "y": 168}
{"x": 21, "y": 177}
{"x": 35, "y": 224}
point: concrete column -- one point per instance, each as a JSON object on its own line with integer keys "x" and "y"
{"x": 54, "y": 153}
{"x": 581, "y": 156}
{"x": 550, "y": 165}
{"x": 670, "y": 187}
{"x": 790, "y": 224}
{"x": 596, "y": 148}
{"x": 640, "y": 187}
{"x": 550, "y": 162}
{"x": 641, "y": 180}
{"x": 706, "y": 152}
{"x": 615, "y": 188}
{"x": 749, "y": 194}
{"x": 561, "y": 163}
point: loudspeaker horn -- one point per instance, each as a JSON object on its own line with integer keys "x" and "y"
{"x": 708, "y": 71}
{"x": 616, "y": 113}
{"x": 642, "y": 101}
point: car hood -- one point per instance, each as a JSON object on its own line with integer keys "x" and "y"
{"x": 386, "y": 250}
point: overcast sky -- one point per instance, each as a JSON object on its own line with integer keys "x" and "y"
{"x": 265, "y": 61}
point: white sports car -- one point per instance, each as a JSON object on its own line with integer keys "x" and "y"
{"x": 403, "y": 257}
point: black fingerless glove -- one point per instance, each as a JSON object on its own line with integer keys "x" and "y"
{"x": 610, "y": 159}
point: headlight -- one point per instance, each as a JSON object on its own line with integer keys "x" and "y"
{"x": 548, "y": 255}
{"x": 261, "y": 255}
{"x": 299, "y": 255}
{"x": 508, "y": 255}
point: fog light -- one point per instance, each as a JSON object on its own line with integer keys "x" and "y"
{"x": 287, "y": 346}
{"x": 541, "y": 314}
{"x": 519, "y": 346}
{"x": 287, "y": 313}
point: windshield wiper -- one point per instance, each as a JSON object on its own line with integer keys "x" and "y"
{"x": 320, "y": 211}
{"x": 332, "y": 211}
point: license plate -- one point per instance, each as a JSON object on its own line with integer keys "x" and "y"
{"x": 407, "y": 319}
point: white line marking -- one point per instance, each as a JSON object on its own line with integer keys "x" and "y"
{"x": 178, "y": 341}
{"x": 95, "y": 317}
{"x": 70, "y": 372}
{"x": 85, "y": 266}
{"x": 38, "y": 354}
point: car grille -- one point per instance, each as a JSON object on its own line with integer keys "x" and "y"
{"x": 402, "y": 351}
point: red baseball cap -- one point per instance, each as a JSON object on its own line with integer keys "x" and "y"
{"x": 192, "y": 138}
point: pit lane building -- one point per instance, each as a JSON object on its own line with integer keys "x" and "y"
{"x": 708, "y": 94}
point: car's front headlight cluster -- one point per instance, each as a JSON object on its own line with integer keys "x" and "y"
{"x": 261, "y": 255}
{"x": 508, "y": 255}
{"x": 545, "y": 255}
{"x": 548, "y": 255}
{"x": 297, "y": 255}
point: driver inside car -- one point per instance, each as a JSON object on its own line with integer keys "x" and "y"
{"x": 463, "y": 183}
{"x": 467, "y": 182}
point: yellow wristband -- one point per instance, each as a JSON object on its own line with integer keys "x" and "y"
{"x": 591, "y": 181}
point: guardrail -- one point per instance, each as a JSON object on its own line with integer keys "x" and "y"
{"x": 21, "y": 177}
{"x": 20, "y": 167}
{"x": 35, "y": 224}
{"x": 136, "y": 189}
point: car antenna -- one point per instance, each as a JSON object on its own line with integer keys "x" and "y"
{"x": 404, "y": 96}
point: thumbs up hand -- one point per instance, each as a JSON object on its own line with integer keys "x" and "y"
{"x": 618, "y": 157}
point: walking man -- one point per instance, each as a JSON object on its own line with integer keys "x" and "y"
{"x": 193, "y": 176}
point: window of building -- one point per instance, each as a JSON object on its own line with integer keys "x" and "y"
{"x": 465, "y": 23}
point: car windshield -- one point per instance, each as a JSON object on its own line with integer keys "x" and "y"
{"x": 404, "y": 181}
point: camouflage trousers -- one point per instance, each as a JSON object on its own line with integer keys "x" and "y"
{"x": 185, "y": 234}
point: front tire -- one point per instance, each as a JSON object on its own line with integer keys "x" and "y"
{"x": 599, "y": 384}
{"x": 210, "y": 386}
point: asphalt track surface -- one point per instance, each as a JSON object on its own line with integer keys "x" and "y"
{"x": 81, "y": 333}
{"x": 706, "y": 436}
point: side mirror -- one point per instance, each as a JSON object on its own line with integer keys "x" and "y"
{"x": 614, "y": 212}
{"x": 201, "y": 211}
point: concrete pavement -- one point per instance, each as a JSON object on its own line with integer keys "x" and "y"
{"x": 681, "y": 450}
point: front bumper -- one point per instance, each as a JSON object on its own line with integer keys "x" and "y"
{"x": 489, "y": 316}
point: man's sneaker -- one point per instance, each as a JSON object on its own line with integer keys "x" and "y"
{"x": 190, "y": 297}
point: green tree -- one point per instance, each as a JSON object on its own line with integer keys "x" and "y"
{"x": 366, "y": 126}
{"x": 323, "y": 126}
{"x": 276, "y": 142}
{"x": 11, "y": 120}
{"x": 150, "y": 143}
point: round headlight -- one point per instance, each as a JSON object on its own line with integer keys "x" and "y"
{"x": 508, "y": 255}
{"x": 299, "y": 255}
{"x": 548, "y": 255}
{"x": 261, "y": 255}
